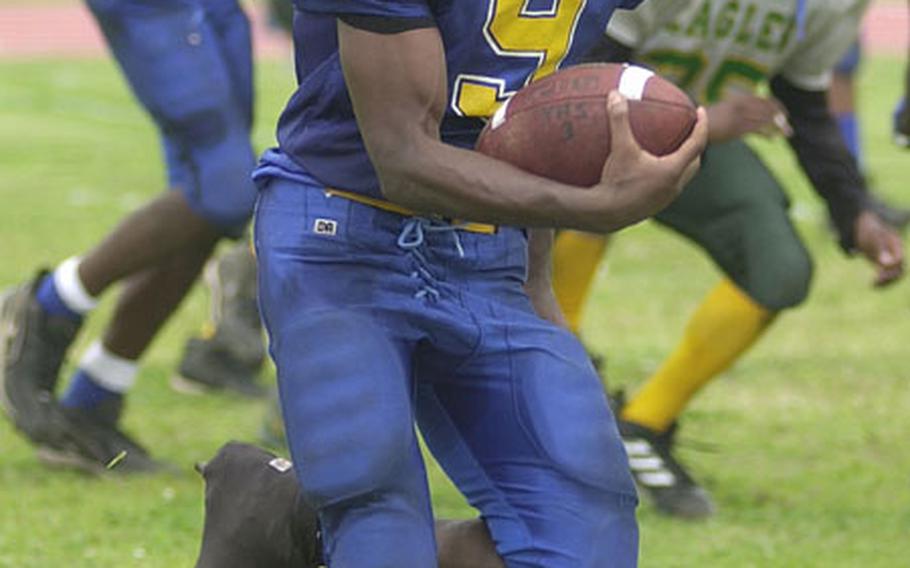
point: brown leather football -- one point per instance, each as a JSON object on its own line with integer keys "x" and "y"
{"x": 558, "y": 127}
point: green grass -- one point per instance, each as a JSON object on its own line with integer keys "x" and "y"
{"x": 812, "y": 463}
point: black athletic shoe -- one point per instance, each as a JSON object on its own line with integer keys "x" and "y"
{"x": 235, "y": 310}
{"x": 33, "y": 345}
{"x": 660, "y": 475}
{"x": 93, "y": 443}
{"x": 232, "y": 353}
{"x": 206, "y": 365}
{"x": 254, "y": 513}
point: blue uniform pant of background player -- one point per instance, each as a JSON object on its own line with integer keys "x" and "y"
{"x": 377, "y": 320}
{"x": 189, "y": 62}
{"x": 849, "y": 63}
{"x": 847, "y": 121}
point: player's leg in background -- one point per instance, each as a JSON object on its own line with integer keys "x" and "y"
{"x": 466, "y": 544}
{"x": 842, "y": 100}
{"x": 576, "y": 259}
{"x": 737, "y": 212}
{"x": 230, "y": 351}
{"x": 341, "y": 342}
{"x": 171, "y": 59}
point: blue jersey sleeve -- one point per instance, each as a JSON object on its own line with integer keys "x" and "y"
{"x": 374, "y": 8}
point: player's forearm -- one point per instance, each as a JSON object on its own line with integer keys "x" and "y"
{"x": 824, "y": 156}
{"x": 453, "y": 182}
{"x": 398, "y": 88}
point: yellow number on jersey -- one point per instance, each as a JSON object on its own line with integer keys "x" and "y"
{"x": 513, "y": 30}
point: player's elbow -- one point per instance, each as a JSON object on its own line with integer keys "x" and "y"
{"x": 400, "y": 171}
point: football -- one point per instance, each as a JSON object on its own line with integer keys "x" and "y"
{"x": 558, "y": 127}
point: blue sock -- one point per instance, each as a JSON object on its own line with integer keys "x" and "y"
{"x": 84, "y": 392}
{"x": 50, "y": 300}
{"x": 849, "y": 128}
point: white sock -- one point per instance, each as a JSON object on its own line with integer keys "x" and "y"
{"x": 70, "y": 288}
{"x": 109, "y": 371}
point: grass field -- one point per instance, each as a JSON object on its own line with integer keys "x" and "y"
{"x": 810, "y": 463}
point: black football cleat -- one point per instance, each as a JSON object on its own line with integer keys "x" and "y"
{"x": 33, "y": 345}
{"x": 255, "y": 514}
{"x": 232, "y": 280}
{"x": 660, "y": 475}
{"x": 208, "y": 366}
{"x": 93, "y": 443}
{"x": 231, "y": 354}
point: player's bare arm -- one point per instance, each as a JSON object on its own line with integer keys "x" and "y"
{"x": 835, "y": 175}
{"x": 397, "y": 84}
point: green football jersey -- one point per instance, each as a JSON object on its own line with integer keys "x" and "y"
{"x": 714, "y": 47}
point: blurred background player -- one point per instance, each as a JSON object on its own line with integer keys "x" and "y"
{"x": 901, "y": 116}
{"x": 842, "y": 99}
{"x": 189, "y": 63}
{"x": 734, "y": 208}
{"x": 573, "y": 279}
{"x": 230, "y": 351}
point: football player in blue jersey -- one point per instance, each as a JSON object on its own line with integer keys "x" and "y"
{"x": 189, "y": 63}
{"x": 384, "y": 310}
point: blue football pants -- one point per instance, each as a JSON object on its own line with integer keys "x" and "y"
{"x": 189, "y": 63}
{"x": 378, "y": 320}
{"x": 850, "y": 62}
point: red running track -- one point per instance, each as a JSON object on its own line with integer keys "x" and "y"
{"x": 29, "y": 32}
{"x": 68, "y": 31}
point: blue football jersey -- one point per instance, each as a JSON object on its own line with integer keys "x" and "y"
{"x": 493, "y": 48}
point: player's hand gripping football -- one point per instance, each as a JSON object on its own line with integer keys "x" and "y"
{"x": 882, "y": 246}
{"x": 638, "y": 183}
{"x": 742, "y": 114}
